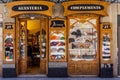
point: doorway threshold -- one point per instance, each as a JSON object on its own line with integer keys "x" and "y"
{"x": 88, "y": 76}
{"x": 31, "y": 75}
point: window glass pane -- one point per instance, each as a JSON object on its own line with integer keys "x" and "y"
{"x": 82, "y": 39}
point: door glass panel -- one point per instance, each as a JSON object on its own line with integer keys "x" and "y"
{"x": 9, "y": 52}
{"x": 43, "y": 37}
{"x": 22, "y": 39}
{"x": 82, "y": 40}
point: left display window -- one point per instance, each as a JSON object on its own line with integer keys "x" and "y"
{"x": 9, "y": 42}
{"x": 57, "y": 45}
{"x": 57, "y": 40}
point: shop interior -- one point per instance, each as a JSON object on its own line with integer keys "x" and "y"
{"x": 32, "y": 38}
{"x": 33, "y": 44}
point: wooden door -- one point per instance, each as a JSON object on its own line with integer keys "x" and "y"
{"x": 22, "y": 40}
{"x": 43, "y": 45}
{"x": 83, "y": 45}
{"x": 20, "y": 46}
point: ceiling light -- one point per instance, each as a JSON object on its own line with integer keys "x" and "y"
{"x": 32, "y": 17}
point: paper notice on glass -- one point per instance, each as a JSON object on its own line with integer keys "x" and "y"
{"x": 1, "y": 31}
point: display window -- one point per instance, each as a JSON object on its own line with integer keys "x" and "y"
{"x": 106, "y": 43}
{"x": 9, "y": 53}
{"x": 106, "y": 46}
{"x": 57, "y": 37}
{"x": 83, "y": 39}
{"x": 8, "y": 38}
{"x": 57, "y": 45}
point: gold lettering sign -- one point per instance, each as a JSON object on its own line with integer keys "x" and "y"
{"x": 26, "y": 7}
{"x": 91, "y": 7}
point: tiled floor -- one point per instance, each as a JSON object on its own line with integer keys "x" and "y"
{"x": 33, "y": 70}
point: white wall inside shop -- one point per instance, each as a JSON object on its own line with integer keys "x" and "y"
{"x": 112, "y": 18}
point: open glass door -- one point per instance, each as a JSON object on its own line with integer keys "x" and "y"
{"x": 32, "y": 40}
{"x": 22, "y": 61}
{"x": 43, "y": 45}
{"x": 37, "y": 42}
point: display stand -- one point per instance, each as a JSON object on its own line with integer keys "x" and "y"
{"x": 9, "y": 33}
{"x": 9, "y": 50}
{"x": 57, "y": 48}
{"x": 106, "y": 50}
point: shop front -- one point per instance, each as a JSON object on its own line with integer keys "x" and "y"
{"x": 86, "y": 52}
{"x": 57, "y": 40}
{"x": 28, "y": 37}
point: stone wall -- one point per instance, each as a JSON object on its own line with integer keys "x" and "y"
{"x": 1, "y": 39}
{"x": 112, "y": 18}
{"x": 3, "y": 18}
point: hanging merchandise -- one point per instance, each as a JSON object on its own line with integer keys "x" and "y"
{"x": 9, "y": 47}
{"x": 22, "y": 40}
{"x": 82, "y": 40}
{"x": 106, "y": 46}
{"x": 106, "y": 39}
{"x": 9, "y": 42}
{"x": 57, "y": 43}
{"x": 57, "y": 46}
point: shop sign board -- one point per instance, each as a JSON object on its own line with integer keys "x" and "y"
{"x": 90, "y": 7}
{"x": 8, "y": 27}
{"x": 30, "y": 7}
{"x": 57, "y": 23}
{"x": 34, "y": 7}
{"x": 106, "y": 26}
{"x": 85, "y": 7}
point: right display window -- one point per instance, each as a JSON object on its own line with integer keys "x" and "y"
{"x": 82, "y": 39}
{"x": 106, "y": 46}
{"x": 106, "y": 42}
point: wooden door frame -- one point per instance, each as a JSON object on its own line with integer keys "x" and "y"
{"x": 17, "y": 53}
{"x": 17, "y": 45}
{"x": 44, "y": 60}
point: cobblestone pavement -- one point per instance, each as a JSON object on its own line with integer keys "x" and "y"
{"x": 59, "y": 78}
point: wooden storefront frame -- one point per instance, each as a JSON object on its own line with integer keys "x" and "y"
{"x": 15, "y": 14}
{"x": 9, "y": 31}
{"x": 44, "y": 61}
{"x": 58, "y": 29}
{"x": 73, "y": 65}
